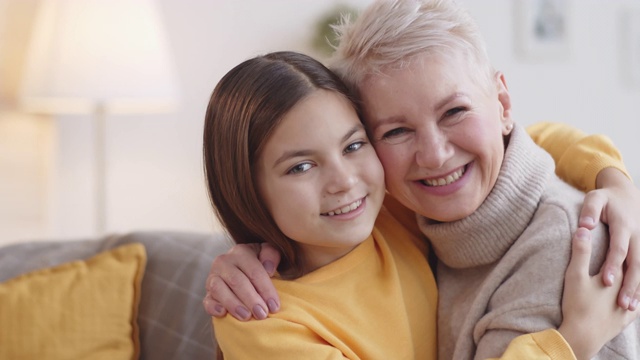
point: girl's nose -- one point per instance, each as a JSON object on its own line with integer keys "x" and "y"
{"x": 342, "y": 177}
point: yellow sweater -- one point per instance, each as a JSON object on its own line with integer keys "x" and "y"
{"x": 380, "y": 300}
{"x": 377, "y": 302}
{"x": 579, "y": 157}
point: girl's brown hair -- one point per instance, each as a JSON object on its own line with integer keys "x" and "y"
{"x": 245, "y": 108}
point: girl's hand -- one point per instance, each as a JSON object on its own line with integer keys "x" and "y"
{"x": 590, "y": 315}
{"x": 240, "y": 280}
{"x": 616, "y": 202}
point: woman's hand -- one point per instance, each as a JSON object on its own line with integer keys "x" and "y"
{"x": 616, "y": 202}
{"x": 590, "y": 315}
{"x": 240, "y": 280}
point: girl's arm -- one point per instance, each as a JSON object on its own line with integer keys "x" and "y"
{"x": 579, "y": 157}
{"x": 591, "y": 162}
{"x": 548, "y": 344}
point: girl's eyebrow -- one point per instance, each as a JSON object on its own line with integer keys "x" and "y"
{"x": 299, "y": 153}
{"x": 352, "y": 131}
{"x": 292, "y": 154}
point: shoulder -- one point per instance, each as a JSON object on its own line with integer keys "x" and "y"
{"x": 560, "y": 206}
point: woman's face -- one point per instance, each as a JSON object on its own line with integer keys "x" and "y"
{"x": 438, "y": 134}
{"x": 320, "y": 178}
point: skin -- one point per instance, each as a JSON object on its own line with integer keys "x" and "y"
{"x": 583, "y": 328}
{"x": 320, "y": 178}
{"x": 440, "y": 138}
{"x": 617, "y": 192}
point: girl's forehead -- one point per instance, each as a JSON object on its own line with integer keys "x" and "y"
{"x": 323, "y": 111}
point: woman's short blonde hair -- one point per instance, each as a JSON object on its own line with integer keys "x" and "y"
{"x": 390, "y": 33}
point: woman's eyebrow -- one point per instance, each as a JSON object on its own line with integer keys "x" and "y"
{"x": 442, "y": 103}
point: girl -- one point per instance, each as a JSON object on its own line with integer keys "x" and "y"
{"x": 288, "y": 162}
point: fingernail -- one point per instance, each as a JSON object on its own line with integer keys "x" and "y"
{"x": 269, "y": 266}
{"x": 587, "y": 220}
{"x": 625, "y": 301}
{"x": 218, "y": 309}
{"x": 243, "y": 313}
{"x": 581, "y": 235}
{"x": 633, "y": 305}
{"x": 273, "y": 306}
{"x": 259, "y": 312}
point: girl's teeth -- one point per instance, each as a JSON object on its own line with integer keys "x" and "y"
{"x": 445, "y": 181}
{"x": 345, "y": 209}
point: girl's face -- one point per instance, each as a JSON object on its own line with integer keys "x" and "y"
{"x": 439, "y": 135}
{"x": 320, "y": 178}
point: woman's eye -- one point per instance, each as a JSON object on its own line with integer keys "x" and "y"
{"x": 393, "y": 133}
{"x": 300, "y": 168}
{"x": 395, "y": 136}
{"x": 454, "y": 111}
{"x": 354, "y": 147}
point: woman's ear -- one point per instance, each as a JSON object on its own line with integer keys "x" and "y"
{"x": 505, "y": 103}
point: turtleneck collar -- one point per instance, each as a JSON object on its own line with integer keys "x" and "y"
{"x": 484, "y": 236}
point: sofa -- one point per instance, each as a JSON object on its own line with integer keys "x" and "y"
{"x": 166, "y": 285}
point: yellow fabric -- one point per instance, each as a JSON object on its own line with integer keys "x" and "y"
{"x": 543, "y": 345}
{"x": 77, "y": 310}
{"x": 579, "y": 157}
{"x": 377, "y": 302}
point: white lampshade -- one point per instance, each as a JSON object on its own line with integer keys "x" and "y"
{"x": 107, "y": 53}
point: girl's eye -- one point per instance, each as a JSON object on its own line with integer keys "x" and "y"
{"x": 395, "y": 136}
{"x": 300, "y": 168}
{"x": 354, "y": 147}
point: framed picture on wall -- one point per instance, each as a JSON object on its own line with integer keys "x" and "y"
{"x": 630, "y": 47}
{"x": 542, "y": 29}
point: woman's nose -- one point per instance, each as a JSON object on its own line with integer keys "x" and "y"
{"x": 433, "y": 149}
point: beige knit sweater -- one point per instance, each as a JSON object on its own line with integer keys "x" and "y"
{"x": 501, "y": 270}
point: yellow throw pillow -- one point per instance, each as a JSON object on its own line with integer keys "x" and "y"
{"x": 78, "y": 310}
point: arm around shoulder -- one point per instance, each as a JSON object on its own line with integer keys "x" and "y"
{"x": 579, "y": 157}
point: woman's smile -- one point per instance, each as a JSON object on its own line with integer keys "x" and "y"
{"x": 445, "y": 180}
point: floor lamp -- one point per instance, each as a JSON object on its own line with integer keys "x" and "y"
{"x": 98, "y": 57}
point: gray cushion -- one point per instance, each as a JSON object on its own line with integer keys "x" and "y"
{"x": 173, "y": 323}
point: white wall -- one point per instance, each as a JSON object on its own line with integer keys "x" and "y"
{"x": 154, "y": 172}
{"x": 585, "y": 89}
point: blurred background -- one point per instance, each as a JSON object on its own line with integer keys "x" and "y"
{"x": 76, "y": 163}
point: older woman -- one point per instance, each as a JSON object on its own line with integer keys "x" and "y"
{"x": 498, "y": 218}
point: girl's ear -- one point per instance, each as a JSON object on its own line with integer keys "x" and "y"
{"x": 505, "y": 103}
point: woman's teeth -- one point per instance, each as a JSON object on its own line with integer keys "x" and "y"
{"x": 446, "y": 180}
{"x": 345, "y": 209}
